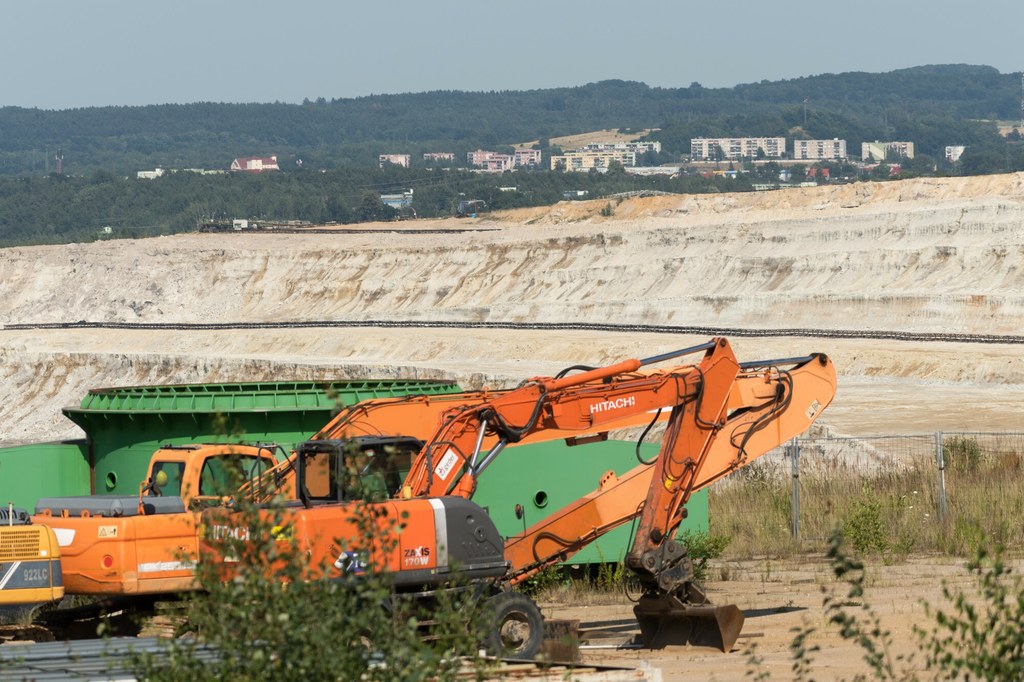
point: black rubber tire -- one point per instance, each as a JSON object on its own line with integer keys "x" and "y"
{"x": 515, "y": 627}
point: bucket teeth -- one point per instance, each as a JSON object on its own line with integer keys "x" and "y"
{"x": 665, "y": 621}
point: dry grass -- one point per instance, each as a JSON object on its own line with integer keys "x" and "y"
{"x": 889, "y": 515}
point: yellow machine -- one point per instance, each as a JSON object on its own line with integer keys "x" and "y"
{"x": 29, "y": 561}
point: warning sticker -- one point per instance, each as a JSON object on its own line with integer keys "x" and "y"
{"x": 107, "y": 532}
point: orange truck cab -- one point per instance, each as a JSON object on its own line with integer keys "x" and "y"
{"x": 146, "y": 544}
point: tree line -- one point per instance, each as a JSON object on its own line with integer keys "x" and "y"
{"x": 933, "y": 106}
{"x": 61, "y": 209}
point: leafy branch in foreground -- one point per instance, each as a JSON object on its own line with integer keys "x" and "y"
{"x": 857, "y": 621}
{"x": 980, "y": 637}
{"x": 986, "y": 639}
{"x": 265, "y": 613}
{"x": 865, "y": 630}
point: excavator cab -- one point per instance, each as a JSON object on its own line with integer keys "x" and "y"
{"x": 363, "y": 468}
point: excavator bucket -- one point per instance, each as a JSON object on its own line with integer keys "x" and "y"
{"x": 666, "y": 621}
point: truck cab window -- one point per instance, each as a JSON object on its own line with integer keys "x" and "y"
{"x": 166, "y": 478}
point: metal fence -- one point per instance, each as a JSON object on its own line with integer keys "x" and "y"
{"x": 875, "y": 456}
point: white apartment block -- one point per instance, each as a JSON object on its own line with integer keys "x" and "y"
{"x": 954, "y": 152}
{"x": 737, "y": 147}
{"x": 818, "y": 150}
{"x": 877, "y": 151}
{"x": 585, "y": 161}
{"x": 439, "y": 156}
{"x": 396, "y": 159}
{"x": 638, "y": 147}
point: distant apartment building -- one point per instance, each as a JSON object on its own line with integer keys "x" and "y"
{"x": 654, "y": 170}
{"x": 586, "y": 161}
{"x": 526, "y": 157}
{"x": 878, "y": 151}
{"x": 394, "y": 159}
{"x": 399, "y": 201}
{"x": 430, "y": 157}
{"x": 255, "y": 164}
{"x": 490, "y": 161}
{"x": 638, "y": 147}
{"x": 705, "y": 148}
{"x": 159, "y": 172}
{"x": 819, "y": 150}
{"x": 954, "y": 152}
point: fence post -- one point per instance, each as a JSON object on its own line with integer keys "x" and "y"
{"x": 940, "y": 461}
{"x": 794, "y": 453}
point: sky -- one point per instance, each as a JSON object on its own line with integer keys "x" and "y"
{"x": 63, "y": 54}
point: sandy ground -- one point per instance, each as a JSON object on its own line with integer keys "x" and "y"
{"x": 780, "y": 598}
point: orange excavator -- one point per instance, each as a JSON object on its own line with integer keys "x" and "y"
{"x": 723, "y": 414}
{"x": 146, "y": 544}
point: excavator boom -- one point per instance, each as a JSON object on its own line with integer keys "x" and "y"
{"x": 769, "y": 403}
{"x": 595, "y": 400}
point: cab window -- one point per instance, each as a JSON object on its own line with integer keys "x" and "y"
{"x": 216, "y": 479}
{"x": 166, "y": 477}
{"x": 317, "y": 478}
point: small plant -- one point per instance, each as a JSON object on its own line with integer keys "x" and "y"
{"x": 545, "y": 581}
{"x": 865, "y": 526}
{"x": 962, "y": 454}
{"x": 702, "y": 548}
{"x": 607, "y": 211}
{"x": 610, "y": 577}
{"x": 980, "y": 637}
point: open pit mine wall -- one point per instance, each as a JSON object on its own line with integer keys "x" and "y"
{"x": 924, "y": 256}
{"x": 922, "y": 267}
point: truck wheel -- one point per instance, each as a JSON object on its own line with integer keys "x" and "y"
{"x": 515, "y": 628}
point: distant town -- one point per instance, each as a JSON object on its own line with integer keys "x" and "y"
{"x": 706, "y": 158}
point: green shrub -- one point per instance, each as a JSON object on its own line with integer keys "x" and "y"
{"x": 543, "y": 582}
{"x": 702, "y": 547}
{"x": 961, "y": 454}
{"x": 611, "y": 577}
{"x": 865, "y": 526}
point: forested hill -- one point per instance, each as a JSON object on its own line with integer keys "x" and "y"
{"x": 930, "y": 105}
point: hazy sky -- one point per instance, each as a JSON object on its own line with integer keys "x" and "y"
{"x": 60, "y": 54}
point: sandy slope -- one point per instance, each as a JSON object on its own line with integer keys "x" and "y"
{"x": 919, "y": 255}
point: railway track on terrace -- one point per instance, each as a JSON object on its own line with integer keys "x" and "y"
{"x": 736, "y": 332}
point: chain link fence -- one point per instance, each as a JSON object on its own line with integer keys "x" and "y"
{"x": 924, "y": 471}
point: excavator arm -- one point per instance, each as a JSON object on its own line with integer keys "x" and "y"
{"x": 593, "y": 401}
{"x": 415, "y": 417}
{"x": 769, "y": 404}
